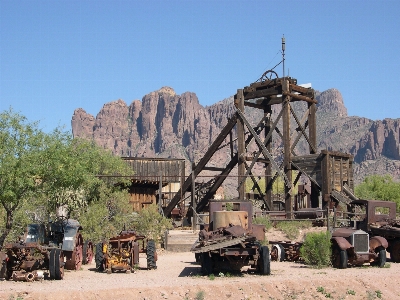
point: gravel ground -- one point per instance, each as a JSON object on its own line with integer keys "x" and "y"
{"x": 178, "y": 277}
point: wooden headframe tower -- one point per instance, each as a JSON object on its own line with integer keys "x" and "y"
{"x": 263, "y": 94}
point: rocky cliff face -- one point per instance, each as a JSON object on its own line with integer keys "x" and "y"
{"x": 165, "y": 124}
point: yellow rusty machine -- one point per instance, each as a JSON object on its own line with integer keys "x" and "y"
{"x": 121, "y": 253}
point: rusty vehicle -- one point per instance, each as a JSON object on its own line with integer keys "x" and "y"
{"x": 121, "y": 253}
{"x": 230, "y": 241}
{"x": 350, "y": 246}
{"x": 378, "y": 218}
{"x": 44, "y": 251}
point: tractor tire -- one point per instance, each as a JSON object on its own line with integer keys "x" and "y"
{"x": 99, "y": 257}
{"x": 87, "y": 253}
{"x": 206, "y": 263}
{"x": 151, "y": 255}
{"x": 395, "y": 251}
{"x": 339, "y": 258}
{"x": 381, "y": 259}
{"x": 265, "y": 263}
{"x": 56, "y": 264}
{"x": 3, "y": 267}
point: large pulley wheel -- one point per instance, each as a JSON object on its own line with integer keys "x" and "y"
{"x": 268, "y": 75}
{"x": 56, "y": 264}
{"x": 87, "y": 252}
{"x": 99, "y": 257}
{"x": 265, "y": 262}
{"x": 74, "y": 259}
{"x": 151, "y": 255}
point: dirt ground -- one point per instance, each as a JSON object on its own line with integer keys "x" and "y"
{"x": 178, "y": 277}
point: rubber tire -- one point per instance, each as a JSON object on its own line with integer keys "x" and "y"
{"x": 381, "y": 261}
{"x": 99, "y": 257}
{"x": 281, "y": 250}
{"x": 343, "y": 258}
{"x": 87, "y": 246}
{"x": 56, "y": 264}
{"x": 3, "y": 269}
{"x": 395, "y": 251}
{"x": 206, "y": 263}
{"x": 265, "y": 262}
{"x": 151, "y": 254}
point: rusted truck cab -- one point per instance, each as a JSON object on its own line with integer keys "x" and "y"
{"x": 378, "y": 218}
{"x": 355, "y": 247}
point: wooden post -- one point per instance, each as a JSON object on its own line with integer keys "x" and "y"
{"x": 194, "y": 204}
{"x": 160, "y": 209}
{"x": 287, "y": 157}
{"x": 312, "y": 126}
{"x": 241, "y": 144}
{"x": 268, "y": 167}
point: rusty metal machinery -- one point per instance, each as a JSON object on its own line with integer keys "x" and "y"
{"x": 231, "y": 241}
{"x": 121, "y": 253}
{"x": 44, "y": 251}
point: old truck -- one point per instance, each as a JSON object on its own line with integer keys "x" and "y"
{"x": 230, "y": 241}
{"x": 121, "y": 253}
{"x": 378, "y": 218}
{"x": 350, "y": 246}
{"x": 45, "y": 250}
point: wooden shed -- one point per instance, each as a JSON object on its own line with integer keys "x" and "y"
{"x": 154, "y": 179}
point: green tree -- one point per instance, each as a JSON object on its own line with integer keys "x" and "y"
{"x": 20, "y": 144}
{"x": 51, "y": 170}
{"x": 377, "y": 187}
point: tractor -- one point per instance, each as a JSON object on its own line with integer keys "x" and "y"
{"x": 121, "y": 253}
{"x": 44, "y": 251}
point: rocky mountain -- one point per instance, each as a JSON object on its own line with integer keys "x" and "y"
{"x": 165, "y": 124}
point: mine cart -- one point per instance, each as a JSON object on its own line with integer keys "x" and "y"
{"x": 121, "y": 253}
{"x": 44, "y": 251}
{"x": 231, "y": 241}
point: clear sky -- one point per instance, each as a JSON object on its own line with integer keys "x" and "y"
{"x": 56, "y": 56}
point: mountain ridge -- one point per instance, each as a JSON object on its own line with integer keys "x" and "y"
{"x": 165, "y": 124}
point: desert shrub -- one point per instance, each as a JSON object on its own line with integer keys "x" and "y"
{"x": 263, "y": 221}
{"x": 291, "y": 228}
{"x": 316, "y": 249}
{"x": 151, "y": 224}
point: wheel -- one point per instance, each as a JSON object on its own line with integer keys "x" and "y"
{"x": 339, "y": 258}
{"x": 87, "y": 253}
{"x": 3, "y": 266}
{"x": 381, "y": 259}
{"x": 395, "y": 252}
{"x": 277, "y": 252}
{"x": 74, "y": 258}
{"x": 99, "y": 257}
{"x": 151, "y": 255}
{"x": 268, "y": 75}
{"x": 56, "y": 264}
{"x": 265, "y": 263}
{"x": 206, "y": 263}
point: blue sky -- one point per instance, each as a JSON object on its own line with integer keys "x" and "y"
{"x": 56, "y": 56}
